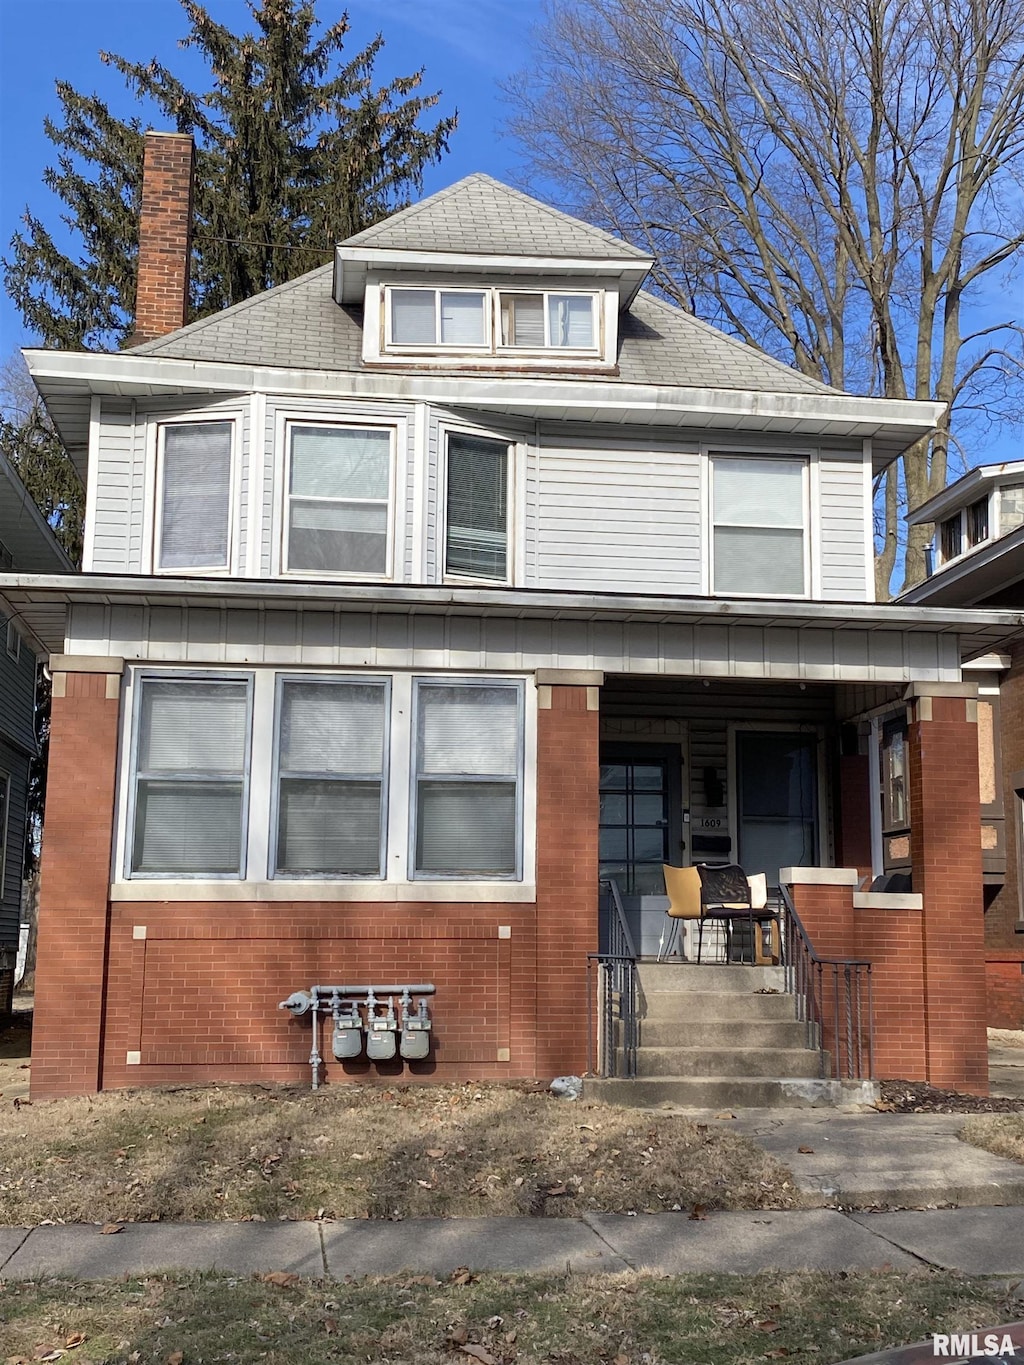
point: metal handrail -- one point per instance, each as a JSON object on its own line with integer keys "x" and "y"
{"x": 620, "y": 937}
{"x": 613, "y": 1037}
{"x": 833, "y": 998}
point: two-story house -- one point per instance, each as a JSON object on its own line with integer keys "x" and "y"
{"x": 423, "y": 590}
{"x": 978, "y": 561}
{"x": 26, "y": 543}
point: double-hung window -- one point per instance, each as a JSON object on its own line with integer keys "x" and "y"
{"x": 759, "y": 510}
{"x": 467, "y": 806}
{"x": 194, "y": 461}
{"x": 190, "y": 779}
{"x": 545, "y": 321}
{"x": 476, "y": 521}
{"x": 440, "y": 317}
{"x": 339, "y": 491}
{"x": 331, "y": 794}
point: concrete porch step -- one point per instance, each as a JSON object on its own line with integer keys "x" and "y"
{"x": 716, "y": 977}
{"x": 727, "y": 1092}
{"x": 665, "y": 1031}
{"x": 743, "y": 1062}
{"x": 715, "y": 1006}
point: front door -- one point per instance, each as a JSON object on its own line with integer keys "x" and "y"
{"x": 777, "y": 800}
{"x": 641, "y": 819}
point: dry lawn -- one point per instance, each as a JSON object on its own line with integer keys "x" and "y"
{"x": 349, "y": 1152}
{"x": 1002, "y": 1134}
{"x": 495, "y": 1319}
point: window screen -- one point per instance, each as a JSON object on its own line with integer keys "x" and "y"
{"x": 192, "y": 750}
{"x": 468, "y": 746}
{"x": 196, "y": 495}
{"x": 338, "y": 489}
{"x": 476, "y": 543}
{"x": 331, "y": 756}
{"x": 759, "y": 526}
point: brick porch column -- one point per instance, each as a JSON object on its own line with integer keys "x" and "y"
{"x": 945, "y": 850}
{"x": 567, "y": 819}
{"x": 75, "y": 880}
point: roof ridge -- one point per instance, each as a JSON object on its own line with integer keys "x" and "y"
{"x": 411, "y": 210}
{"x": 191, "y": 328}
{"x": 717, "y": 332}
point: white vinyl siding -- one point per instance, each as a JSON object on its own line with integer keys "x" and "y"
{"x": 188, "y": 793}
{"x": 617, "y": 519}
{"x": 467, "y": 803}
{"x": 331, "y": 758}
{"x": 194, "y": 474}
{"x": 844, "y": 532}
{"x": 759, "y": 517}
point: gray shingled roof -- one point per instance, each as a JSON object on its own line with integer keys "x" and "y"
{"x": 483, "y": 216}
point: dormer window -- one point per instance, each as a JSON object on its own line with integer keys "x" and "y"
{"x": 490, "y": 321}
{"x": 964, "y": 530}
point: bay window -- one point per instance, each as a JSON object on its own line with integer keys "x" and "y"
{"x": 467, "y": 746}
{"x": 759, "y": 510}
{"x": 190, "y": 778}
{"x": 338, "y": 500}
{"x": 476, "y": 521}
{"x": 194, "y": 463}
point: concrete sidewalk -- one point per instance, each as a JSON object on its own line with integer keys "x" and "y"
{"x": 977, "y": 1241}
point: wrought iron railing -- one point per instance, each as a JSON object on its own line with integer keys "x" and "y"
{"x": 613, "y": 996}
{"x": 833, "y": 999}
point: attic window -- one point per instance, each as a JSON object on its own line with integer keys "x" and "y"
{"x": 490, "y": 321}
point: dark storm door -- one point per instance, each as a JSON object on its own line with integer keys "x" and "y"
{"x": 640, "y": 820}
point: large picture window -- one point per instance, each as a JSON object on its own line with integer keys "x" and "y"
{"x": 468, "y": 761}
{"x": 331, "y": 756}
{"x": 194, "y": 476}
{"x": 190, "y": 777}
{"x": 339, "y": 489}
{"x": 476, "y": 523}
{"x": 759, "y": 539}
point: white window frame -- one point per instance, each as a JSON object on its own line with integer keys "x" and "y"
{"x": 328, "y": 680}
{"x": 492, "y": 323}
{"x": 126, "y": 840}
{"x": 396, "y": 489}
{"x": 160, "y": 426}
{"x": 443, "y": 681}
{"x": 13, "y": 641}
{"x": 445, "y": 430}
{"x": 808, "y": 460}
{"x": 256, "y": 883}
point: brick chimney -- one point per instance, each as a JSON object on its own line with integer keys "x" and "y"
{"x": 165, "y": 236}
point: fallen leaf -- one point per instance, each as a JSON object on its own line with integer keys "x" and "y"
{"x": 284, "y": 1279}
{"x": 480, "y": 1353}
{"x": 555, "y": 1190}
{"x": 435, "y": 1153}
{"x": 47, "y": 1353}
{"x": 462, "y": 1275}
{"x": 424, "y": 1184}
{"x": 175, "y": 1358}
{"x": 806, "y": 1151}
{"x": 75, "y": 1339}
{"x": 698, "y": 1214}
{"x": 330, "y": 1325}
{"x": 458, "y": 1336}
{"x": 769, "y": 1325}
{"x": 621, "y": 1360}
{"x": 108, "y": 1229}
{"x": 725, "y": 1114}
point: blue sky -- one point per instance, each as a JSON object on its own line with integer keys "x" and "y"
{"x": 466, "y": 46}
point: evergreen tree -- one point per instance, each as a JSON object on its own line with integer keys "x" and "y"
{"x": 295, "y": 150}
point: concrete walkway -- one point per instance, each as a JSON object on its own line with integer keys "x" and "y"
{"x": 977, "y": 1241}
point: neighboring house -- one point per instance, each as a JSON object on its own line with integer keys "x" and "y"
{"x": 421, "y": 590}
{"x": 26, "y": 543}
{"x": 978, "y": 560}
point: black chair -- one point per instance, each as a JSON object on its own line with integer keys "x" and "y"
{"x": 727, "y": 895}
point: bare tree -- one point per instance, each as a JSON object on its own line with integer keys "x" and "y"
{"x": 835, "y": 181}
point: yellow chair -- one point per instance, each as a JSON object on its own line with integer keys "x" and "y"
{"x": 682, "y": 885}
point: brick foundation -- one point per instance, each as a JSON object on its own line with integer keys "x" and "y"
{"x": 147, "y": 993}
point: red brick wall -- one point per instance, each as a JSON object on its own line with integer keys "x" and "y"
{"x": 70, "y": 985}
{"x": 946, "y": 856}
{"x": 165, "y": 234}
{"x": 197, "y": 996}
{"x": 1004, "y": 977}
{"x": 853, "y": 842}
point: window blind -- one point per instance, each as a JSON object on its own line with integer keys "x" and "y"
{"x": 462, "y": 319}
{"x": 331, "y": 764}
{"x": 339, "y": 486}
{"x": 413, "y": 317}
{"x": 477, "y": 508}
{"x": 467, "y": 783}
{"x": 191, "y": 760}
{"x": 759, "y": 493}
{"x": 758, "y": 541}
{"x": 570, "y": 320}
{"x": 196, "y": 495}
{"x": 522, "y": 320}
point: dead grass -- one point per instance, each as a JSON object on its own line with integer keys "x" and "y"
{"x": 349, "y": 1152}
{"x": 618, "y": 1320}
{"x": 1002, "y": 1134}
